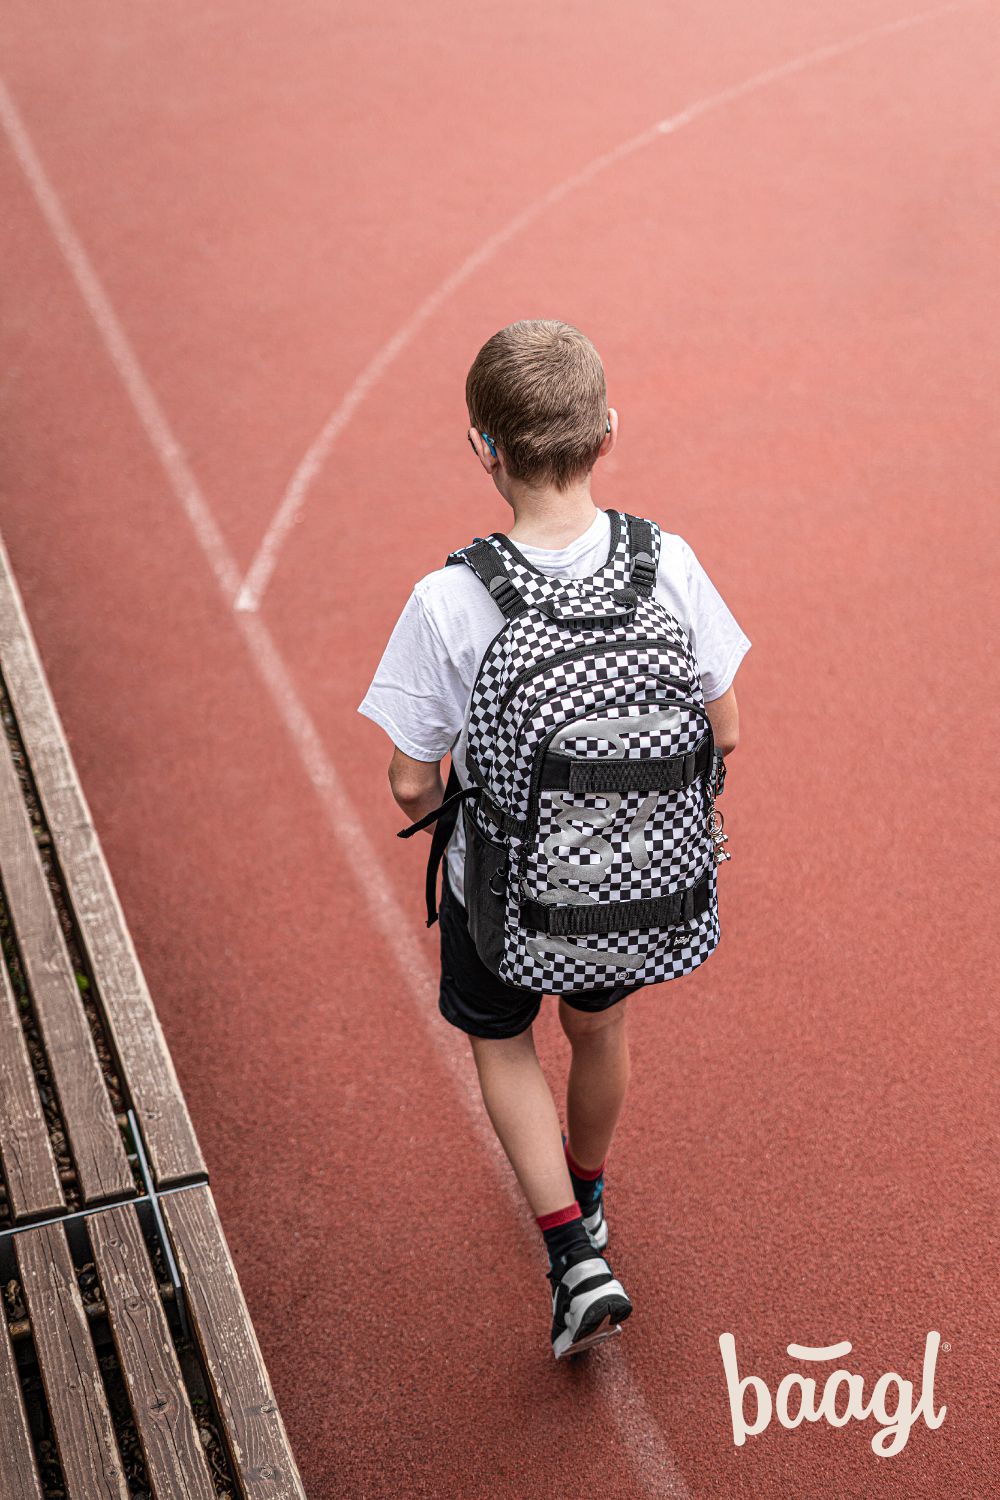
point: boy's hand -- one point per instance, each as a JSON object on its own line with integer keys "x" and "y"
{"x": 416, "y": 785}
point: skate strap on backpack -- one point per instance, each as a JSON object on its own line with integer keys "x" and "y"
{"x": 669, "y": 773}
{"x": 617, "y": 916}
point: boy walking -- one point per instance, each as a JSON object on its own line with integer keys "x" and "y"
{"x": 579, "y": 670}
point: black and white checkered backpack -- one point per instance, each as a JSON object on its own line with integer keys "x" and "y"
{"x": 590, "y": 857}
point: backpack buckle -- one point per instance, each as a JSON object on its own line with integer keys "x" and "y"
{"x": 719, "y": 778}
{"x": 505, "y": 594}
{"x": 643, "y": 571}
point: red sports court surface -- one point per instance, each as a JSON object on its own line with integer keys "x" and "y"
{"x": 248, "y": 253}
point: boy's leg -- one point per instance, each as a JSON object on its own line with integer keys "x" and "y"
{"x": 519, "y": 1103}
{"x": 588, "y": 1301}
{"x": 598, "y": 1078}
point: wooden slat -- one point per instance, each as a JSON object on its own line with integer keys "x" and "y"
{"x": 252, "y": 1426}
{"x": 124, "y": 996}
{"x": 175, "y": 1459}
{"x": 18, "y": 1475}
{"x": 74, "y": 1390}
{"x": 29, "y": 1164}
{"x": 94, "y": 1137}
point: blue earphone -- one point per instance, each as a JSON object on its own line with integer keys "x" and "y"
{"x": 492, "y": 446}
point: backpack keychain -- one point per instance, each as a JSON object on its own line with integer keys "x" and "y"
{"x": 715, "y": 818}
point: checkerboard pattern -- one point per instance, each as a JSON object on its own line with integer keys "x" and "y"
{"x": 629, "y": 690}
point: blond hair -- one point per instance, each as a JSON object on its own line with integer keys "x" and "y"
{"x": 537, "y": 387}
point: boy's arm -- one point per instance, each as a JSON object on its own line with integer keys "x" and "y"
{"x": 416, "y": 785}
{"x": 724, "y": 717}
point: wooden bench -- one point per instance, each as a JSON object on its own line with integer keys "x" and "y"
{"x": 128, "y": 1362}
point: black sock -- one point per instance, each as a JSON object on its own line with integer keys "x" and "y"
{"x": 568, "y": 1240}
{"x": 587, "y": 1189}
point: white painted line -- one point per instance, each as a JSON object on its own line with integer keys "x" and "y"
{"x": 389, "y": 917}
{"x": 265, "y": 559}
{"x": 642, "y": 1442}
{"x": 147, "y": 407}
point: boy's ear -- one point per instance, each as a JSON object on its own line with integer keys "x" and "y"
{"x": 610, "y": 438}
{"x": 479, "y": 448}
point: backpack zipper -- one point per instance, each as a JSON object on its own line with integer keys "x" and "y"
{"x": 578, "y": 651}
{"x": 657, "y": 677}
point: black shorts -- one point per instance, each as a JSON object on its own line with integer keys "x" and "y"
{"x": 475, "y": 1000}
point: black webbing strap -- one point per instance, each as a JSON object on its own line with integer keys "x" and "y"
{"x": 488, "y": 567}
{"x": 444, "y": 817}
{"x": 617, "y": 916}
{"x": 640, "y": 548}
{"x": 669, "y": 773}
{"x": 447, "y": 812}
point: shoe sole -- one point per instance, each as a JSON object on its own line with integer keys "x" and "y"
{"x": 602, "y": 1320}
{"x": 607, "y": 1330}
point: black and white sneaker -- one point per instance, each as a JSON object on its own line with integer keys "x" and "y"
{"x": 594, "y": 1221}
{"x": 588, "y": 1303}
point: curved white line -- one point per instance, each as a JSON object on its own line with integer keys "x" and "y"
{"x": 262, "y": 567}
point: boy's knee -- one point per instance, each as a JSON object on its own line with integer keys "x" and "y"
{"x": 580, "y": 1024}
{"x": 501, "y": 1049}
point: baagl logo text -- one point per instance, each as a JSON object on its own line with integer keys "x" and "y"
{"x": 842, "y": 1399}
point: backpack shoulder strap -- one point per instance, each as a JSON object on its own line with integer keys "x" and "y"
{"x": 643, "y": 554}
{"x": 487, "y": 564}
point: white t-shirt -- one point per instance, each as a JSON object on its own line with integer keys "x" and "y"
{"x": 421, "y": 690}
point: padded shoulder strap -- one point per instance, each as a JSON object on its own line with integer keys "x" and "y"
{"x": 487, "y": 564}
{"x": 642, "y": 551}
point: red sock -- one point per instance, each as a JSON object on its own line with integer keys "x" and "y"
{"x": 583, "y": 1173}
{"x": 561, "y": 1216}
